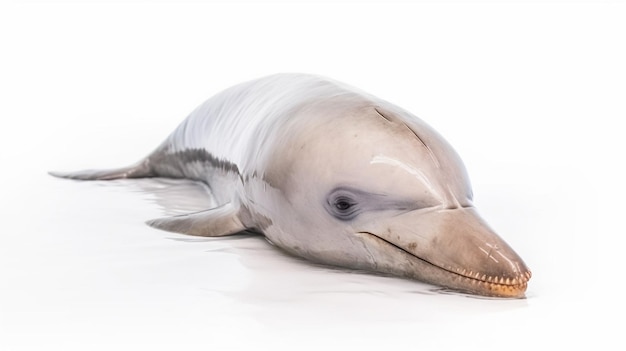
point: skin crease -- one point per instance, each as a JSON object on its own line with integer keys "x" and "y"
{"x": 337, "y": 176}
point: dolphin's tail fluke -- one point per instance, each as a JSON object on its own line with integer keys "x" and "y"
{"x": 140, "y": 170}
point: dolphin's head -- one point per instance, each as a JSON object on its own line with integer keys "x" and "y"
{"x": 375, "y": 188}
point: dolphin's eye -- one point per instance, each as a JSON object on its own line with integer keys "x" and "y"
{"x": 346, "y": 203}
{"x": 342, "y": 205}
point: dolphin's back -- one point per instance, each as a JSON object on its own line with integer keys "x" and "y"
{"x": 229, "y": 125}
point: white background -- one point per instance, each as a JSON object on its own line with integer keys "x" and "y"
{"x": 532, "y": 96}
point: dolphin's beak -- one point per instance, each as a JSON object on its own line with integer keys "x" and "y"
{"x": 454, "y": 248}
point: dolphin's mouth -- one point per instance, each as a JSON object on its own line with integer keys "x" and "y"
{"x": 466, "y": 280}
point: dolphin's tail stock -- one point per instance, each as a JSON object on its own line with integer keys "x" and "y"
{"x": 139, "y": 170}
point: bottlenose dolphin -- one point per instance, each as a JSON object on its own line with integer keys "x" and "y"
{"x": 334, "y": 175}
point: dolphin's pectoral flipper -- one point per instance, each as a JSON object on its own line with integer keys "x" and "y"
{"x": 219, "y": 221}
{"x": 140, "y": 170}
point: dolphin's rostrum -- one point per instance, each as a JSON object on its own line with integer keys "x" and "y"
{"x": 334, "y": 175}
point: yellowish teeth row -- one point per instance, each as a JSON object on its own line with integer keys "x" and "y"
{"x": 522, "y": 279}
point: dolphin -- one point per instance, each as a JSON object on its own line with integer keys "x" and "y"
{"x": 334, "y": 175}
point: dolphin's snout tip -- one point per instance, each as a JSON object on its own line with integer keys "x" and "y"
{"x": 510, "y": 282}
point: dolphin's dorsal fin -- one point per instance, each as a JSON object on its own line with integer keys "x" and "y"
{"x": 219, "y": 221}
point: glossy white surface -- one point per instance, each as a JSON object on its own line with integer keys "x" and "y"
{"x": 528, "y": 95}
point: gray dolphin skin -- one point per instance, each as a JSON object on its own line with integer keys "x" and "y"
{"x": 334, "y": 175}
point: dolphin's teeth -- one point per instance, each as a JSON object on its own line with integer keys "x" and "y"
{"x": 493, "y": 282}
